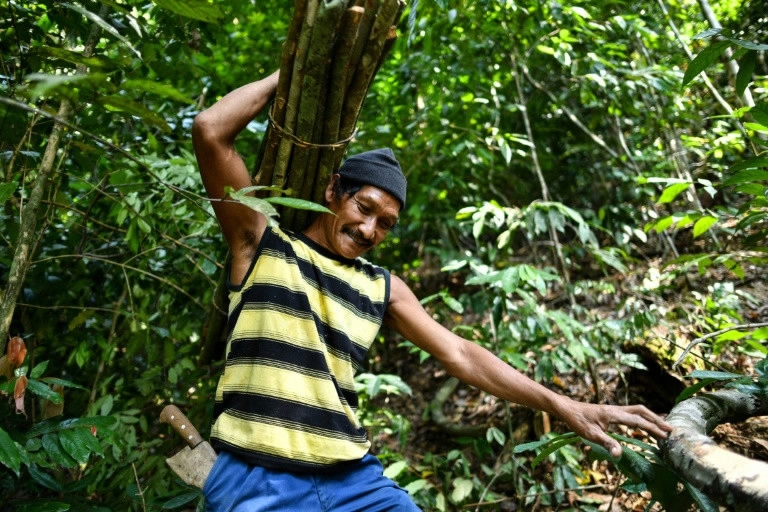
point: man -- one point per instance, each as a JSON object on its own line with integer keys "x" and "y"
{"x": 305, "y": 308}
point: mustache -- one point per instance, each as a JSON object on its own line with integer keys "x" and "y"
{"x": 357, "y": 237}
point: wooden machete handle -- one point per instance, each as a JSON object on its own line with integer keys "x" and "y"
{"x": 175, "y": 418}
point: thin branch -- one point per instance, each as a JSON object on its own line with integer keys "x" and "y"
{"x": 537, "y": 168}
{"x": 128, "y": 267}
{"x": 704, "y": 77}
{"x": 138, "y": 487}
{"x": 574, "y": 119}
{"x": 79, "y": 308}
{"x": 704, "y": 338}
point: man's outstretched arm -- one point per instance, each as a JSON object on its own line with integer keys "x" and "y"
{"x": 478, "y": 367}
{"x": 213, "y": 136}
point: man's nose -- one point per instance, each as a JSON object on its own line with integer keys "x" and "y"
{"x": 368, "y": 227}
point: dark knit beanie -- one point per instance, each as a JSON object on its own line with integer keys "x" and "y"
{"x": 379, "y": 168}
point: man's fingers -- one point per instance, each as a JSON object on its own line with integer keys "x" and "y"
{"x": 609, "y": 443}
{"x": 643, "y": 418}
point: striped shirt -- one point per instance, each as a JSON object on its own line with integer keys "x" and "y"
{"x": 300, "y": 326}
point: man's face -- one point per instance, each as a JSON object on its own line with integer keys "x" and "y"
{"x": 362, "y": 220}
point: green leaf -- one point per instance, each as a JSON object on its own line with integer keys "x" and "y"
{"x": 533, "y": 445}
{"x": 7, "y": 190}
{"x": 663, "y": 224}
{"x": 44, "y": 391}
{"x": 415, "y": 486}
{"x": 758, "y": 127}
{"x": 703, "y": 60}
{"x": 455, "y": 305}
{"x": 196, "y": 9}
{"x": 44, "y": 479}
{"x": 495, "y": 434}
{"x": 757, "y": 347}
{"x": 63, "y": 383}
{"x": 46, "y": 505}
{"x": 702, "y": 500}
{"x": 123, "y": 104}
{"x": 10, "y": 454}
{"x": 746, "y": 68}
{"x": 692, "y": 390}
{"x": 555, "y": 445}
{"x": 164, "y": 90}
{"x": 38, "y": 370}
{"x": 56, "y": 452}
{"x": 73, "y": 57}
{"x": 73, "y": 443}
{"x": 298, "y": 204}
{"x": 760, "y": 113}
{"x": 44, "y": 83}
{"x": 181, "y": 500}
{"x": 393, "y": 470}
{"x": 752, "y": 175}
{"x": 703, "y": 224}
{"x": 106, "y": 27}
{"x": 55, "y": 424}
{"x": 672, "y": 191}
{"x": 462, "y": 489}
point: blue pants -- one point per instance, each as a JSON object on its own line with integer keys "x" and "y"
{"x": 235, "y": 486}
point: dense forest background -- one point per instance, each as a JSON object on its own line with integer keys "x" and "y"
{"x": 587, "y": 198}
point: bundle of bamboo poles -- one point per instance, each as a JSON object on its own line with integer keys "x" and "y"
{"x": 329, "y": 59}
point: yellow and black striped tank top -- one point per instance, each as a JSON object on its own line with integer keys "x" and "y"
{"x": 300, "y": 326}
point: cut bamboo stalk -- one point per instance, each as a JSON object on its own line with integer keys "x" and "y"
{"x": 333, "y": 51}
{"x": 312, "y": 103}
{"x": 283, "y": 160}
{"x": 369, "y": 62}
{"x": 272, "y": 138}
{"x": 335, "y": 100}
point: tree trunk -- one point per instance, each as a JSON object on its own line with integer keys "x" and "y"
{"x": 735, "y": 481}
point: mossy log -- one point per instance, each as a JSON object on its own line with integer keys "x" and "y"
{"x": 735, "y": 481}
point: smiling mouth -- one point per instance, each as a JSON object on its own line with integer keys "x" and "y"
{"x": 358, "y": 239}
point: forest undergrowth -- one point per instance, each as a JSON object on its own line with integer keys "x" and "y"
{"x": 469, "y": 450}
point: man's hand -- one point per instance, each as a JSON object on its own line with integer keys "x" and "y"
{"x": 591, "y": 421}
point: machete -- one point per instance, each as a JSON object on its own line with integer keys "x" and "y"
{"x": 193, "y": 463}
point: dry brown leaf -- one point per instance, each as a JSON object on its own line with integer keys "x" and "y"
{"x": 18, "y": 394}
{"x": 17, "y": 351}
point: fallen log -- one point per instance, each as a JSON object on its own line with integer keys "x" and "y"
{"x": 735, "y": 481}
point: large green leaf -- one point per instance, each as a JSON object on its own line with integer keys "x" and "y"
{"x": 202, "y": 10}
{"x": 6, "y": 191}
{"x": 44, "y": 391}
{"x": 10, "y": 454}
{"x": 103, "y": 24}
{"x": 123, "y": 104}
{"x": 705, "y": 59}
{"x": 56, "y": 452}
{"x": 161, "y": 89}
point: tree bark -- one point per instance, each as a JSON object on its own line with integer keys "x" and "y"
{"x": 735, "y": 481}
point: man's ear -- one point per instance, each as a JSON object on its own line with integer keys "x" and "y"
{"x": 329, "y": 194}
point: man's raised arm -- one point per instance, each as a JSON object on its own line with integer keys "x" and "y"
{"x": 213, "y": 136}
